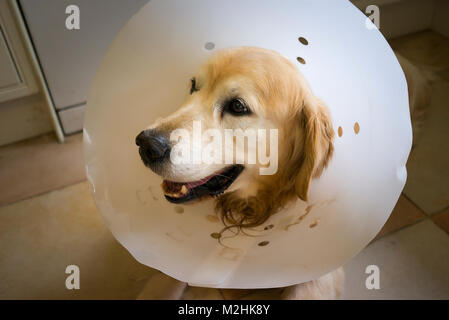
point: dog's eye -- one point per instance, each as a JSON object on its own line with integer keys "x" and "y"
{"x": 237, "y": 107}
{"x": 193, "y": 87}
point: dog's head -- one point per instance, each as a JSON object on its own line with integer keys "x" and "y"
{"x": 242, "y": 90}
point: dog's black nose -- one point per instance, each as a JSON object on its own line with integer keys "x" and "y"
{"x": 154, "y": 146}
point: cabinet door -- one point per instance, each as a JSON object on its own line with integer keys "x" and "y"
{"x": 16, "y": 73}
{"x": 8, "y": 72}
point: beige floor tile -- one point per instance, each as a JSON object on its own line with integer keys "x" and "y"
{"x": 162, "y": 287}
{"x": 39, "y": 165}
{"x": 264, "y": 294}
{"x": 404, "y": 214}
{"x": 413, "y": 264}
{"x": 235, "y": 294}
{"x": 428, "y": 170}
{"x": 41, "y": 236}
{"x": 442, "y": 220}
{"x": 427, "y": 49}
{"x": 199, "y": 293}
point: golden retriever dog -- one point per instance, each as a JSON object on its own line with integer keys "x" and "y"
{"x": 246, "y": 88}
{"x": 253, "y": 88}
{"x": 419, "y": 91}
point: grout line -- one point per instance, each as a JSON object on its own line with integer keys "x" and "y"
{"x": 221, "y": 293}
{"x": 418, "y": 207}
{"x": 422, "y": 211}
{"x": 401, "y": 228}
{"x": 44, "y": 135}
{"x": 42, "y": 193}
{"x": 444, "y": 230}
{"x": 439, "y": 211}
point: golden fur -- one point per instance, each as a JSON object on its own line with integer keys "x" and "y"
{"x": 306, "y": 132}
{"x": 280, "y": 98}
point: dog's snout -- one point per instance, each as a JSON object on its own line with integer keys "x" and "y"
{"x": 154, "y": 146}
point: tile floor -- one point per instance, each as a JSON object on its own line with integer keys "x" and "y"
{"x": 48, "y": 219}
{"x": 39, "y": 165}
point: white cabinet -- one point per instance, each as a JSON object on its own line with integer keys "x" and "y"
{"x": 16, "y": 75}
{"x": 9, "y": 75}
{"x": 70, "y": 58}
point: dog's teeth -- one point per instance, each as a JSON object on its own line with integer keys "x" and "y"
{"x": 184, "y": 189}
{"x": 171, "y": 194}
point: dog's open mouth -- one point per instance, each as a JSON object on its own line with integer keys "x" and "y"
{"x": 213, "y": 185}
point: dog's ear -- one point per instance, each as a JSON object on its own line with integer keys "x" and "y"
{"x": 317, "y": 137}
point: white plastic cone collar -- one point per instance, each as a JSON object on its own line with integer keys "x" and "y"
{"x": 144, "y": 75}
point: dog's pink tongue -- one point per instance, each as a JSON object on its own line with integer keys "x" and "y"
{"x": 171, "y": 186}
{"x": 194, "y": 184}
